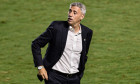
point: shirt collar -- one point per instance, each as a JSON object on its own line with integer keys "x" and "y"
{"x": 72, "y": 29}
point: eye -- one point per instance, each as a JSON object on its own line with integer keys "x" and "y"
{"x": 75, "y": 12}
{"x": 70, "y": 10}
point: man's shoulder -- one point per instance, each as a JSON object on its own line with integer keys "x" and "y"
{"x": 86, "y": 28}
{"x": 59, "y": 22}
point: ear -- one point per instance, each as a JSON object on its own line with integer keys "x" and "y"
{"x": 82, "y": 16}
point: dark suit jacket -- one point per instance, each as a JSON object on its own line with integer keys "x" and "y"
{"x": 55, "y": 36}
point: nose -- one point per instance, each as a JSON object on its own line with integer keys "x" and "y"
{"x": 70, "y": 14}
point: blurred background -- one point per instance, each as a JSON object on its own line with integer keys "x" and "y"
{"x": 114, "y": 55}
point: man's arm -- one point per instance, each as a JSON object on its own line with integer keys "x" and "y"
{"x": 40, "y": 42}
{"x": 37, "y": 44}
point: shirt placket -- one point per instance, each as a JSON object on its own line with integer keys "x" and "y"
{"x": 73, "y": 48}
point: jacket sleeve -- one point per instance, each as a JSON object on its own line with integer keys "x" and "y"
{"x": 40, "y": 42}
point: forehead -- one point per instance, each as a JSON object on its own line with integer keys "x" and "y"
{"x": 75, "y": 8}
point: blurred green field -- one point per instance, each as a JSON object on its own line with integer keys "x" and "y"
{"x": 114, "y": 56}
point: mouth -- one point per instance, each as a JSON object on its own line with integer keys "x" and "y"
{"x": 70, "y": 19}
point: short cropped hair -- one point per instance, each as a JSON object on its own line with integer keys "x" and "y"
{"x": 80, "y": 5}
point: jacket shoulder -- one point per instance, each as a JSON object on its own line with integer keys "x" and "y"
{"x": 86, "y": 28}
{"x": 59, "y": 22}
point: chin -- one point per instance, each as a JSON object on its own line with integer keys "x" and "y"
{"x": 70, "y": 23}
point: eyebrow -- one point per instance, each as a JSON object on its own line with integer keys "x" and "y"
{"x": 72, "y": 10}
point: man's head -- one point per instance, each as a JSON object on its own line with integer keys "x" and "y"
{"x": 76, "y": 13}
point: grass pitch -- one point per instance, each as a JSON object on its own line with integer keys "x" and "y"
{"x": 114, "y": 56}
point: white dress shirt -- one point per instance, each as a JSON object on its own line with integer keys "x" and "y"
{"x": 70, "y": 59}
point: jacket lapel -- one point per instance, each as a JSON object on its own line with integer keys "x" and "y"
{"x": 83, "y": 38}
{"x": 83, "y": 53}
{"x": 64, "y": 35}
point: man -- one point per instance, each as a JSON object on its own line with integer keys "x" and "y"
{"x": 65, "y": 57}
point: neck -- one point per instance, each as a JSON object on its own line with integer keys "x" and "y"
{"x": 76, "y": 27}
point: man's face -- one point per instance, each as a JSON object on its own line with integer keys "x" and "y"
{"x": 75, "y": 15}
